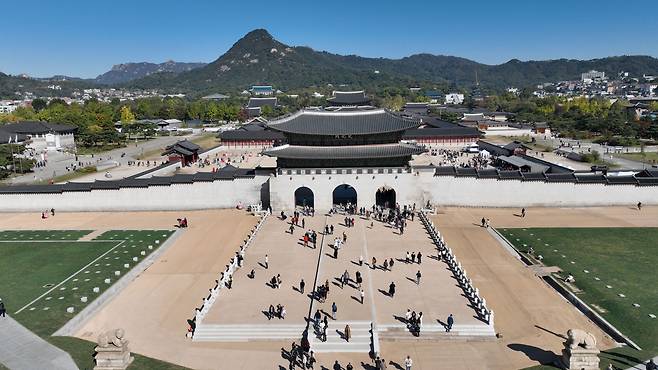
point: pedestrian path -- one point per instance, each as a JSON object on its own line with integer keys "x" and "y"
{"x": 247, "y": 332}
{"x": 359, "y": 339}
{"x": 458, "y": 332}
{"x": 23, "y": 350}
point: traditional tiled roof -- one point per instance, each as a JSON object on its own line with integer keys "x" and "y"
{"x": 416, "y": 133}
{"x": 349, "y": 98}
{"x": 183, "y": 147}
{"x": 38, "y": 128}
{"x": 234, "y": 135}
{"x": 261, "y": 102}
{"x": 343, "y": 123}
{"x": 344, "y": 152}
{"x": 6, "y": 135}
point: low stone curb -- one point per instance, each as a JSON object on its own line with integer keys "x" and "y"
{"x": 94, "y": 307}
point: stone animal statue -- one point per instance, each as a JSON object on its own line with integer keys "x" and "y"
{"x": 113, "y": 337}
{"x": 580, "y": 338}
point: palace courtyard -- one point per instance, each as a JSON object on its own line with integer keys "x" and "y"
{"x": 530, "y": 316}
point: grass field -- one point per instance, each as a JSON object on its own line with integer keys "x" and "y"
{"x": 44, "y": 273}
{"x": 648, "y": 157}
{"x": 614, "y": 270}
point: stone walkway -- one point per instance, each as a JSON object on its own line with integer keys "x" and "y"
{"x": 23, "y": 350}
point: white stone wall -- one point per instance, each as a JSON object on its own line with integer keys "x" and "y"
{"x": 406, "y": 186}
{"x": 418, "y": 186}
{"x": 54, "y": 141}
{"x": 199, "y": 195}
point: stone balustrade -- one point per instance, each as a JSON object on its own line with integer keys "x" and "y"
{"x": 472, "y": 293}
{"x": 227, "y": 274}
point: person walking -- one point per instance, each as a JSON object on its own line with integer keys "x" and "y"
{"x": 390, "y": 264}
{"x": 418, "y": 257}
{"x": 337, "y": 366}
{"x": 450, "y": 321}
{"x": 522, "y": 212}
{"x": 391, "y": 289}
{"x": 408, "y": 362}
{"x": 334, "y": 309}
{"x": 639, "y": 206}
{"x": 267, "y": 262}
{"x": 349, "y": 366}
{"x": 361, "y": 260}
{"x": 374, "y": 263}
{"x": 418, "y": 276}
{"x": 310, "y": 362}
{"x": 325, "y": 326}
{"x": 363, "y": 294}
{"x": 348, "y": 332}
{"x": 3, "y": 310}
{"x": 302, "y": 284}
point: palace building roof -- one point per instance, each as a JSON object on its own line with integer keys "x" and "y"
{"x": 349, "y": 98}
{"x": 366, "y": 122}
{"x": 344, "y": 152}
{"x": 38, "y": 128}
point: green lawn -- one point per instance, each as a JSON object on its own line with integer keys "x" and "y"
{"x": 45, "y": 272}
{"x": 648, "y": 157}
{"x": 606, "y": 262}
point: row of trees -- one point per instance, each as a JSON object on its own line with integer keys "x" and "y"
{"x": 579, "y": 117}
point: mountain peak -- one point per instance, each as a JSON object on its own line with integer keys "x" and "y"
{"x": 259, "y": 33}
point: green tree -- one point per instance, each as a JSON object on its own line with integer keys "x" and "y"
{"x": 39, "y": 104}
{"x": 10, "y": 162}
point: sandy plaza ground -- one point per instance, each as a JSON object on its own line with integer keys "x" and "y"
{"x": 154, "y": 308}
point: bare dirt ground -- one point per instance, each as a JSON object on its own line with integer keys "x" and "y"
{"x": 154, "y": 308}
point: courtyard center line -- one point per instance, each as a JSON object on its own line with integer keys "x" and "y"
{"x": 373, "y": 311}
{"x": 68, "y": 278}
{"x": 317, "y": 274}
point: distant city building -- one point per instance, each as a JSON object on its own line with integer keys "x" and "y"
{"x": 261, "y": 90}
{"x": 454, "y": 98}
{"x": 591, "y": 76}
{"x": 8, "y": 106}
{"x": 216, "y": 97}
{"x": 433, "y": 95}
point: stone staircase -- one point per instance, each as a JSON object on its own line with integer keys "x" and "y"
{"x": 475, "y": 332}
{"x": 359, "y": 342}
{"x": 245, "y": 333}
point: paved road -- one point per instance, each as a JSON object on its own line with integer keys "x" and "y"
{"x": 604, "y": 151}
{"x": 23, "y": 350}
{"x": 58, "y": 161}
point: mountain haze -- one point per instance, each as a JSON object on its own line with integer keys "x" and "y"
{"x": 125, "y": 72}
{"x": 258, "y": 58}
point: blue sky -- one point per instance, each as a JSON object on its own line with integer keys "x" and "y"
{"x": 85, "y": 38}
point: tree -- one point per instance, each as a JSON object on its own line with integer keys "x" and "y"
{"x": 11, "y": 162}
{"x": 126, "y": 114}
{"x": 39, "y": 104}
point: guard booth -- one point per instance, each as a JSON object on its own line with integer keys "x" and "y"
{"x": 185, "y": 152}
